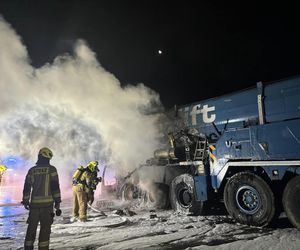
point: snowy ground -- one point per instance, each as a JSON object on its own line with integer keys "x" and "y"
{"x": 147, "y": 229}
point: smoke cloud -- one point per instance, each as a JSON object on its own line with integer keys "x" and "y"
{"x": 73, "y": 106}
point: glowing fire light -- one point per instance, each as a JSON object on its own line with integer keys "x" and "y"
{"x": 12, "y": 180}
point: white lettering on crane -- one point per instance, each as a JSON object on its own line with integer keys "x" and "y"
{"x": 196, "y": 110}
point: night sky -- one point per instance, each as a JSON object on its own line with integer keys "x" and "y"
{"x": 208, "y": 48}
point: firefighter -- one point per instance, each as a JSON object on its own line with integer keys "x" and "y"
{"x": 41, "y": 191}
{"x": 93, "y": 185}
{"x": 82, "y": 184}
{"x": 3, "y": 168}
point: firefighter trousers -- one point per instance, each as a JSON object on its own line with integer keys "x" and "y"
{"x": 90, "y": 196}
{"x": 79, "y": 202}
{"x": 44, "y": 216}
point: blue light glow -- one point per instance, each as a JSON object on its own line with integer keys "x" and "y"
{"x": 13, "y": 161}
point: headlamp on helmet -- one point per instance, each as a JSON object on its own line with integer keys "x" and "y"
{"x": 2, "y": 168}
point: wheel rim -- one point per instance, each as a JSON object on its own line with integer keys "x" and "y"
{"x": 248, "y": 199}
{"x": 184, "y": 196}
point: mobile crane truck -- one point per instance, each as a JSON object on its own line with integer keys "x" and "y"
{"x": 242, "y": 149}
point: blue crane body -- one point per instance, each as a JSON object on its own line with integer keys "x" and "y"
{"x": 255, "y": 132}
{"x": 241, "y": 149}
{"x": 244, "y": 133}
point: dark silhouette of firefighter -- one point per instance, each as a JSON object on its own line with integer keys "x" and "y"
{"x": 41, "y": 191}
{"x": 85, "y": 181}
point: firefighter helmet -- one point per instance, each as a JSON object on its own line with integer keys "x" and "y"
{"x": 46, "y": 152}
{"x": 2, "y": 168}
{"x": 93, "y": 166}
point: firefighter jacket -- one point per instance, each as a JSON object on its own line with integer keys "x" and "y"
{"x": 41, "y": 187}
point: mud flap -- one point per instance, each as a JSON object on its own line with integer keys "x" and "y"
{"x": 200, "y": 188}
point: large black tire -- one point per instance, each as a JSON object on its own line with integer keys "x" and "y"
{"x": 182, "y": 196}
{"x": 291, "y": 201}
{"x": 249, "y": 199}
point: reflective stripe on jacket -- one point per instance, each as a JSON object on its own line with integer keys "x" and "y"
{"x": 41, "y": 186}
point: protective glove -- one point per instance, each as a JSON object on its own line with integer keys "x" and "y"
{"x": 25, "y": 204}
{"x": 74, "y": 182}
{"x": 57, "y": 209}
{"x": 58, "y": 212}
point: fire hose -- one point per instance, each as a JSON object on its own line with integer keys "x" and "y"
{"x": 96, "y": 210}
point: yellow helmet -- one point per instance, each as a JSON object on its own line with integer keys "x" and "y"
{"x": 93, "y": 166}
{"x": 2, "y": 168}
{"x": 46, "y": 152}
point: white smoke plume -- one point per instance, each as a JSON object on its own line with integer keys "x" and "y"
{"x": 74, "y": 107}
